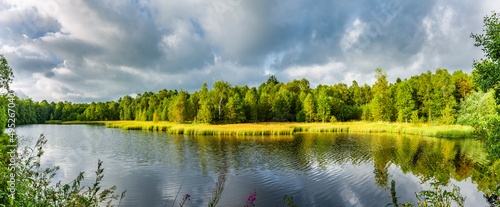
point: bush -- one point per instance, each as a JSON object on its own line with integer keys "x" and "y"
{"x": 477, "y": 109}
{"x": 33, "y": 184}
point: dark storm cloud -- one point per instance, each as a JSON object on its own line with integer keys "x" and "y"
{"x": 393, "y": 28}
{"x": 101, "y": 50}
{"x": 30, "y": 64}
{"x": 30, "y": 22}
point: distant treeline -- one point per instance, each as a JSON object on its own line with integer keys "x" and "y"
{"x": 426, "y": 97}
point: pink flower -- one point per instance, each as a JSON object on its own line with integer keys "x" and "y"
{"x": 251, "y": 199}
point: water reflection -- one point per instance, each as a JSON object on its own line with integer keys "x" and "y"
{"x": 317, "y": 169}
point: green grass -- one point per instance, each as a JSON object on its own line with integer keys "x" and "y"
{"x": 85, "y": 122}
{"x": 277, "y": 128}
{"x": 53, "y": 122}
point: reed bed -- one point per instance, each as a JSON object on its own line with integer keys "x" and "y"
{"x": 277, "y": 128}
{"x": 83, "y": 122}
{"x": 53, "y": 122}
{"x": 447, "y": 131}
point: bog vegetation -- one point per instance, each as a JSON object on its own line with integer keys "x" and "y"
{"x": 279, "y": 128}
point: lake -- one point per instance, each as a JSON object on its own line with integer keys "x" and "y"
{"x": 325, "y": 169}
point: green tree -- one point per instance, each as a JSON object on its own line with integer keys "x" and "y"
{"x": 235, "y": 112}
{"x": 323, "y": 106}
{"x": 341, "y": 92}
{"x": 205, "y": 114}
{"x": 264, "y": 107}
{"x": 125, "y": 110}
{"x": 282, "y": 106}
{"x": 193, "y": 106}
{"x": 486, "y": 73}
{"x": 380, "y": 109}
{"x": 165, "y": 105}
{"x": 272, "y": 80}
{"x": 252, "y": 107}
{"x": 113, "y": 110}
{"x": 6, "y": 74}
{"x": 309, "y": 107}
{"x": 445, "y": 88}
{"x": 156, "y": 117}
{"x": 366, "y": 112}
{"x": 405, "y": 103}
{"x": 43, "y": 112}
{"x": 425, "y": 93}
{"x": 90, "y": 112}
{"x": 463, "y": 85}
{"x": 66, "y": 111}
{"x": 477, "y": 110}
{"x": 58, "y": 110}
{"x": 490, "y": 40}
{"x": 356, "y": 94}
{"x": 305, "y": 86}
{"x": 221, "y": 90}
{"x": 178, "y": 109}
{"x": 101, "y": 111}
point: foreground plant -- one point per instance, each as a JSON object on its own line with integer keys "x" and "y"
{"x": 438, "y": 196}
{"x": 492, "y": 143}
{"x": 289, "y": 201}
{"x": 184, "y": 199}
{"x": 33, "y": 185}
{"x": 219, "y": 187}
{"x": 251, "y": 199}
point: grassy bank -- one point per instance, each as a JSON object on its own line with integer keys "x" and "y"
{"x": 53, "y": 122}
{"x": 449, "y": 131}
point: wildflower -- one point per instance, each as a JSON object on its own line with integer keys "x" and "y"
{"x": 186, "y": 197}
{"x": 251, "y": 199}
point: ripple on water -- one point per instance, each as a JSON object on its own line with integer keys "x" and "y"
{"x": 316, "y": 169}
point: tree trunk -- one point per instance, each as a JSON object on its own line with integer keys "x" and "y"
{"x": 220, "y": 104}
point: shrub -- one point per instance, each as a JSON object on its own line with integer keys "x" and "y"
{"x": 33, "y": 185}
{"x": 477, "y": 109}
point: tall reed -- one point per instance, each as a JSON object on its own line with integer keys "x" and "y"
{"x": 277, "y": 128}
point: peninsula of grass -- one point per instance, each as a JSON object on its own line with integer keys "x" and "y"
{"x": 277, "y": 128}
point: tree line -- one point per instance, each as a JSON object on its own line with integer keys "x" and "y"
{"x": 428, "y": 97}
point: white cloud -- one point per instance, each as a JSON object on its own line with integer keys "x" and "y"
{"x": 329, "y": 73}
{"x": 351, "y": 36}
{"x": 85, "y": 50}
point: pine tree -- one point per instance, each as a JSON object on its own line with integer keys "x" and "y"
{"x": 205, "y": 114}
{"x": 380, "y": 109}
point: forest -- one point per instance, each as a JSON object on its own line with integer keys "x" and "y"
{"x": 434, "y": 98}
{"x": 429, "y": 97}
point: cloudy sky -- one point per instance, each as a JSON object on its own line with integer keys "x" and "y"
{"x": 99, "y": 50}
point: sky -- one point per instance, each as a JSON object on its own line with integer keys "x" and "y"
{"x": 99, "y": 50}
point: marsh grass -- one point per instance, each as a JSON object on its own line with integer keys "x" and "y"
{"x": 279, "y": 128}
{"x": 53, "y": 122}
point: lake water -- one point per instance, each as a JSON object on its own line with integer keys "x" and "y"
{"x": 316, "y": 169}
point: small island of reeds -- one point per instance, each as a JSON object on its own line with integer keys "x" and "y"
{"x": 281, "y": 128}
